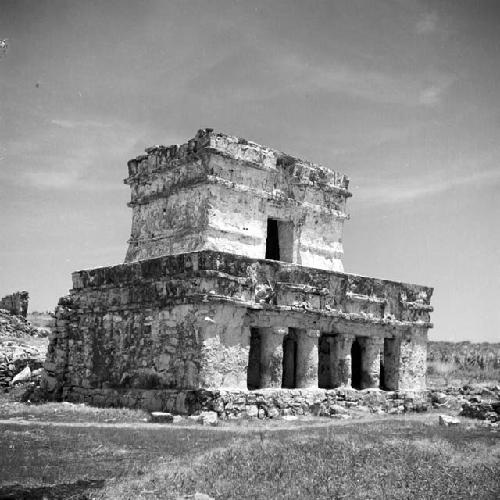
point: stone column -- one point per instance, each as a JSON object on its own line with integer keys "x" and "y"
{"x": 324, "y": 362}
{"x": 341, "y": 367}
{"x": 412, "y": 360}
{"x": 307, "y": 359}
{"x": 370, "y": 361}
{"x": 391, "y": 364}
{"x": 271, "y": 357}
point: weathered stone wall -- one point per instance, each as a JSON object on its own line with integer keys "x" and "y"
{"x": 184, "y": 322}
{"x": 16, "y": 303}
{"x": 104, "y": 346}
{"x": 265, "y": 286}
{"x": 217, "y": 192}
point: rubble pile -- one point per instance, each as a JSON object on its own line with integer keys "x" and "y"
{"x": 13, "y": 325}
{"x": 482, "y": 409}
{"x": 15, "y": 356}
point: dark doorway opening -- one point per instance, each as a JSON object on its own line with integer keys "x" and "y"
{"x": 356, "y": 364}
{"x": 272, "y": 240}
{"x": 382, "y": 367}
{"x": 289, "y": 362}
{"x": 253, "y": 371}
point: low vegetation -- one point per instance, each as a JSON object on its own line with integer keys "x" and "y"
{"x": 391, "y": 457}
{"x": 460, "y": 363}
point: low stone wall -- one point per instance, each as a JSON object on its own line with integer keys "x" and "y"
{"x": 266, "y": 403}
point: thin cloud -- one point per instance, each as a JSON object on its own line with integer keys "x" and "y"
{"x": 79, "y": 124}
{"x": 72, "y": 158}
{"x": 401, "y": 192}
{"x": 294, "y": 74}
{"x": 428, "y": 23}
{"x": 378, "y": 86}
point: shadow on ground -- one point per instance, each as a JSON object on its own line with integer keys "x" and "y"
{"x": 76, "y": 491}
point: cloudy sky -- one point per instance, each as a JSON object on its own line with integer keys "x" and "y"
{"x": 402, "y": 96}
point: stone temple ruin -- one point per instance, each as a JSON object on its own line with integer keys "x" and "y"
{"x": 16, "y": 303}
{"x": 233, "y": 295}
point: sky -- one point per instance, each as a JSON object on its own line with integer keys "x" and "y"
{"x": 401, "y": 96}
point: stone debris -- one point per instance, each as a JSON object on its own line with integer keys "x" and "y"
{"x": 483, "y": 410}
{"x": 22, "y": 376}
{"x": 209, "y": 418}
{"x": 16, "y": 356}
{"x": 438, "y": 398}
{"x": 336, "y": 409}
{"x": 13, "y": 325}
{"x": 448, "y": 421}
{"x": 160, "y": 417}
{"x": 195, "y": 496}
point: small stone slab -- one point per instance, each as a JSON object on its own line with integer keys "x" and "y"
{"x": 447, "y": 420}
{"x": 22, "y": 376}
{"x": 209, "y": 418}
{"x": 159, "y": 417}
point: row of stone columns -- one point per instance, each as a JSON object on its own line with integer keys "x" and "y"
{"x": 305, "y": 362}
{"x": 303, "y": 347}
{"x": 341, "y": 363}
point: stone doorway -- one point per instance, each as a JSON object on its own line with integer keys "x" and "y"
{"x": 279, "y": 240}
{"x": 356, "y": 365}
{"x": 289, "y": 361}
{"x": 272, "y": 240}
{"x": 253, "y": 371}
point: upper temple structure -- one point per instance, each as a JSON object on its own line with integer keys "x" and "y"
{"x": 226, "y": 194}
{"x": 233, "y": 290}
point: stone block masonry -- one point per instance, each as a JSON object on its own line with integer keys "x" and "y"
{"x": 233, "y": 284}
{"x": 219, "y": 192}
{"x": 16, "y": 303}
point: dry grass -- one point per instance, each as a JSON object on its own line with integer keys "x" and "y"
{"x": 388, "y": 458}
{"x": 394, "y": 459}
{"x": 68, "y": 412}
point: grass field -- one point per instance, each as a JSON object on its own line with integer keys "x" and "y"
{"x": 374, "y": 457}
